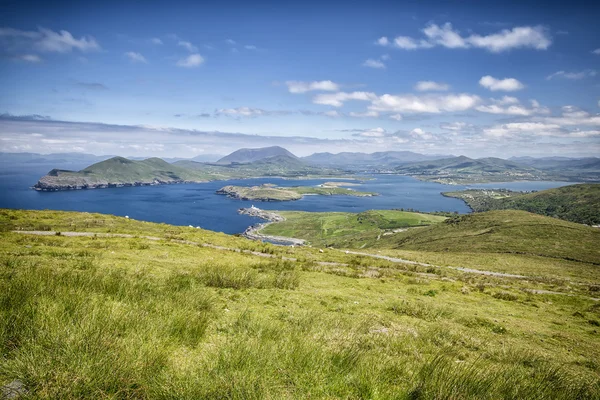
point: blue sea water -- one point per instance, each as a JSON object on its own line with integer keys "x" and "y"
{"x": 198, "y": 205}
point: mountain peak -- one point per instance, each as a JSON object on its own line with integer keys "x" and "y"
{"x": 244, "y": 156}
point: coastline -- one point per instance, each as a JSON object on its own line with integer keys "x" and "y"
{"x": 253, "y": 231}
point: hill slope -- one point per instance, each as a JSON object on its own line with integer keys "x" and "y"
{"x": 509, "y": 231}
{"x": 187, "y": 313}
{"x": 243, "y": 156}
{"x": 575, "y": 203}
{"x": 118, "y": 171}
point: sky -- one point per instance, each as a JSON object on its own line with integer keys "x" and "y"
{"x": 181, "y": 79}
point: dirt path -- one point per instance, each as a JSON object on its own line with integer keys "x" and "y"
{"x": 266, "y": 255}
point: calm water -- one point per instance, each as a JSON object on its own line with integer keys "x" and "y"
{"x": 198, "y": 205}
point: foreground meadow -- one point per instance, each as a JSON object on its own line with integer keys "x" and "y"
{"x": 155, "y": 313}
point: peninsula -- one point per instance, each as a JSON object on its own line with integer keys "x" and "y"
{"x": 269, "y": 192}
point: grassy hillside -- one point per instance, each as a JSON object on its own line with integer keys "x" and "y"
{"x": 119, "y": 171}
{"x": 345, "y": 230}
{"x": 131, "y": 317}
{"x": 576, "y": 203}
{"x": 515, "y": 232}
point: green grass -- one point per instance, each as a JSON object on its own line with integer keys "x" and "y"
{"x": 513, "y": 232}
{"x": 575, "y": 203}
{"x": 97, "y": 317}
{"x": 346, "y": 230}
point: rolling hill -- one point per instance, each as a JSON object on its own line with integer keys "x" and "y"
{"x": 100, "y": 306}
{"x": 506, "y": 231}
{"x": 575, "y": 203}
{"x": 118, "y": 171}
{"x": 467, "y": 170}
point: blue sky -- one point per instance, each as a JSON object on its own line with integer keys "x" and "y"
{"x": 186, "y": 78}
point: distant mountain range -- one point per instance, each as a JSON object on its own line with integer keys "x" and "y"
{"x": 277, "y": 161}
{"x": 372, "y": 161}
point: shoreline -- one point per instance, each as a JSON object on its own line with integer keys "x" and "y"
{"x": 253, "y": 231}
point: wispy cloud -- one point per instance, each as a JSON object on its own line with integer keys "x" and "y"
{"x": 303, "y": 87}
{"x": 573, "y": 75}
{"x": 46, "y": 40}
{"x": 371, "y": 63}
{"x": 191, "y": 61}
{"x": 188, "y": 46}
{"x": 430, "y": 86}
{"x": 534, "y": 37}
{"x": 135, "y": 57}
{"x": 91, "y": 85}
{"x": 156, "y": 41}
{"x": 31, "y": 58}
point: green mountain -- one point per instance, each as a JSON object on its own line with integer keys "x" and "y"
{"x": 119, "y": 171}
{"x": 281, "y": 165}
{"x": 576, "y": 203}
{"x": 244, "y": 156}
{"x": 116, "y": 172}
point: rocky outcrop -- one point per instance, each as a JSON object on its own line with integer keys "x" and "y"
{"x": 253, "y": 232}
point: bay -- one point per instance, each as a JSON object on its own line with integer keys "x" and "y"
{"x": 198, "y": 205}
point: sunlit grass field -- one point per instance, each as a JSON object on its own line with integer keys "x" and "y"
{"x": 131, "y": 317}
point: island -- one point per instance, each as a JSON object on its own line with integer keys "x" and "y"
{"x": 270, "y": 192}
{"x": 120, "y": 171}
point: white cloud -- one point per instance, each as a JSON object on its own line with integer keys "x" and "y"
{"x": 385, "y": 57}
{"x": 303, "y": 87}
{"x": 573, "y": 116}
{"x": 46, "y": 40}
{"x": 454, "y": 126}
{"x": 156, "y": 41}
{"x": 135, "y": 57}
{"x": 371, "y": 63}
{"x": 338, "y": 99}
{"x": 535, "y": 37}
{"x": 425, "y": 86}
{"x": 241, "y": 112}
{"x": 419, "y": 133}
{"x": 191, "y": 61}
{"x": 424, "y": 104}
{"x": 188, "y": 46}
{"x": 507, "y": 84}
{"x": 375, "y": 132}
{"x": 32, "y": 58}
{"x": 332, "y": 114}
{"x": 250, "y": 47}
{"x": 397, "y": 117}
{"x": 367, "y": 114}
{"x": 573, "y": 75}
{"x": 382, "y": 41}
{"x": 512, "y": 106}
{"x": 230, "y": 41}
{"x": 597, "y": 51}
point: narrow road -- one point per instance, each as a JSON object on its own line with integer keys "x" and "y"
{"x": 266, "y": 255}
